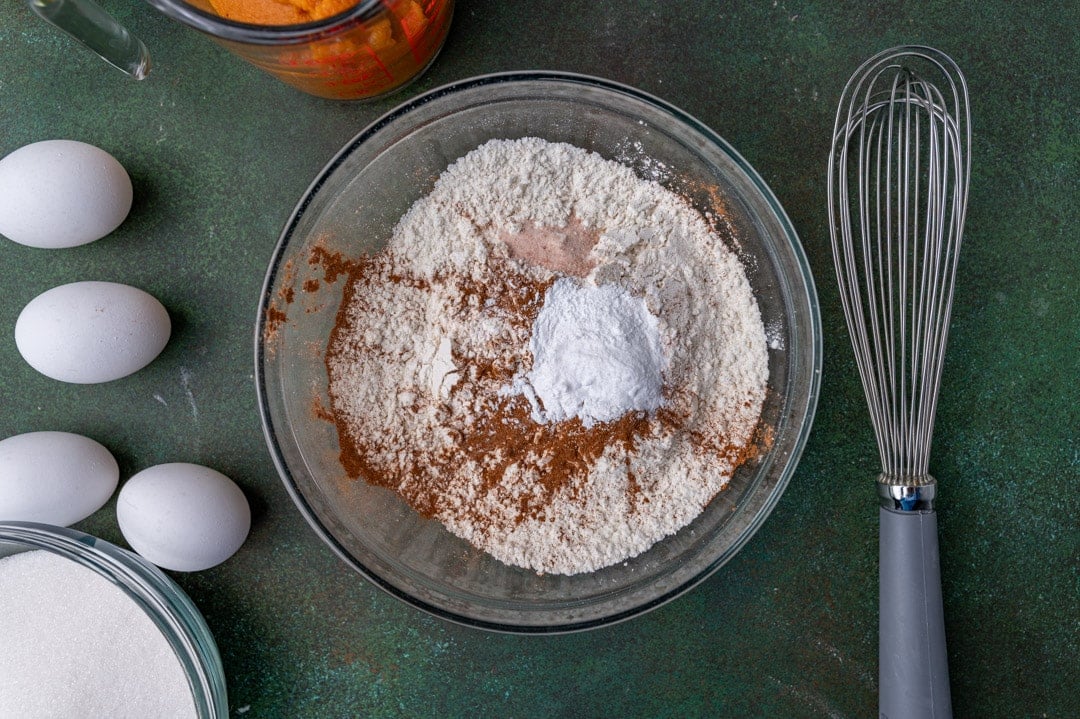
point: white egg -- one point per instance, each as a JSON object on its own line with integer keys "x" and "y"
{"x": 183, "y": 517}
{"x": 54, "y": 477}
{"x": 61, "y": 193}
{"x": 87, "y": 332}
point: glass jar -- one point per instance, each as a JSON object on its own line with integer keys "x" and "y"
{"x": 369, "y": 50}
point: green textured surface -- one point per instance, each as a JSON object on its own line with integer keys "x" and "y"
{"x": 220, "y": 153}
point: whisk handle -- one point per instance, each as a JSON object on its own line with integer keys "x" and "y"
{"x": 913, "y": 665}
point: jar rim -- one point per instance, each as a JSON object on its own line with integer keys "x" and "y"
{"x": 225, "y": 29}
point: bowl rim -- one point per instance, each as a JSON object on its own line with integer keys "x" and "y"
{"x": 805, "y": 416}
{"x": 160, "y": 598}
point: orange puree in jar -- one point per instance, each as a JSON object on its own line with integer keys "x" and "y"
{"x": 279, "y": 12}
{"x": 377, "y": 49}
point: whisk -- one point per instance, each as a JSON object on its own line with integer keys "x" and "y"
{"x": 897, "y": 188}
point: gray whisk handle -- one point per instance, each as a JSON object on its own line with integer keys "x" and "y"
{"x": 913, "y": 672}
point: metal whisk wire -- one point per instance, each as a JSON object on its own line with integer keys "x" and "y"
{"x": 910, "y": 173}
{"x": 897, "y": 189}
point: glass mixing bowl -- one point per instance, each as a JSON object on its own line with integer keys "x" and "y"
{"x": 171, "y": 610}
{"x": 352, "y": 207}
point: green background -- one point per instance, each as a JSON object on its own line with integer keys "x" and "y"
{"x": 220, "y": 153}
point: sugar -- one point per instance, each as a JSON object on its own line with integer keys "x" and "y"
{"x": 72, "y": 644}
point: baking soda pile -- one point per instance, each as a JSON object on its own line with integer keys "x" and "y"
{"x": 559, "y": 361}
{"x": 596, "y": 356}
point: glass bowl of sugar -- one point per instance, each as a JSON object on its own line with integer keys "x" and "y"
{"x": 537, "y": 352}
{"x": 90, "y": 629}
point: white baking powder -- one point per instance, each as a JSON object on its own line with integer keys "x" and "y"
{"x": 72, "y": 644}
{"x": 596, "y": 355}
{"x": 557, "y": 359}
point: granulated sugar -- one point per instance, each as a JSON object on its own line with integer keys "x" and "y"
{"x": 72, "y": 644}
{"x": 473, "y": 370}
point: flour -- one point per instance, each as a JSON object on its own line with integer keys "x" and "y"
{"x": 558, "y": 360}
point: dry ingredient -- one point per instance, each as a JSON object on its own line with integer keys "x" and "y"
{"x": 596, "y": 355}
{"x": 72, "y": 644}
{"x": 471, "y": 363}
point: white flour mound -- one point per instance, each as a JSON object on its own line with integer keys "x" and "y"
{"x": 698, "y": 353}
